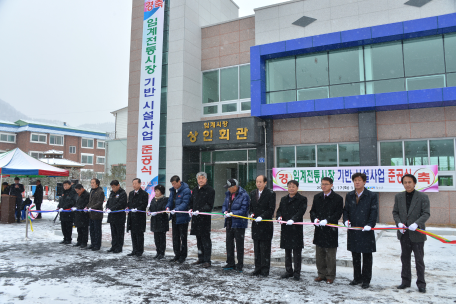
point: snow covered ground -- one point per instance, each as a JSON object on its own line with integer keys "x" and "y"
{"x": 42, "y": 271}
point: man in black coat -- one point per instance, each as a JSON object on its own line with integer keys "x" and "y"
{"x": 291, "y": 209}
{"x": 38, "y": 197}
{"x": 262, "y": 206}
{"x": 411, "y": 209}
{"x": 361, "y": 210}
{"x": 327, "y": 207}
{"x": 16, "y": 190}
{"x": 202, "y": 200}
{"x": 136, "y": 221}
{"x": 81, "y": 218}
{"x": 117, "y": 201}
{"x": 67, "y": 201}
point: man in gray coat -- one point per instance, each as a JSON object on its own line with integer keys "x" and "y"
{"x": 412, "y": 210}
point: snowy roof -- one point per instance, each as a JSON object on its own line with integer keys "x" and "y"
{"x": 113, "y": 112}
{"x": 61, "y": 162}
{"x": 53, "y": 152}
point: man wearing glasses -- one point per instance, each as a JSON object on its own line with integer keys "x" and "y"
{"x": 327, "y": 207}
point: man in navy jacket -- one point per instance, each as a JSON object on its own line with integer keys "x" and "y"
{"x": 237, "y": 202}
{"x": 179, "y": 199}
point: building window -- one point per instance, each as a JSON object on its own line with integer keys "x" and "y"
{"x": 87, "y": 159}
{"x": 56, "y": 140}
{"x": 406, "y": 65}
{"x": 36, "y": 154}
{"x": 100, "y": 160}
{"x": 101, "y": 144}
{"x": 325, "y": 155}
{"x": 438, "y": 152}
{"x": 72, "y": 149}
{"x": 226, "y": 91}
{"x": 38, "y": 138}
{"x": 100, "y": 175}
{"x": 87, "y": 143}
{"x": 8, "y": 138}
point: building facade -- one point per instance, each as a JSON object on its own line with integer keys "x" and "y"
{"x": 81, "y": 146}
{"x": 309, "y": 83}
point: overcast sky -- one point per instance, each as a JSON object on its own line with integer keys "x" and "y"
{"x": 68, "y": 60}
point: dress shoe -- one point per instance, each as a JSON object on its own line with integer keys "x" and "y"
{"x": 296, "y": 277}
{"x": 256, "y": 273}
{"x": 228, "y": 267}
{"x": 160, "y": 257}
{"x": 131, "y": 254}
{"x": 365, "y": 286}
{"x": 90, "y": 247}
{"x": 95, "y": 249}
{"x": 197, "y": 262}
{"x": 18, "y": 220}
{"x": 354, "y": 282}
{"x": 83, "y": 246}
{"x": 180, "y": 261}
{"x": 206, "y": 265}
{"x": 286, "y": 275}
{"x": 67, "y": 243}
{"x": 422, "y": 289}
{"x": 264, "y": 275}
{"x": 62, "y": 242}
{"x": 116, "y": 251}
{"x": 156, "y": 256}
{"x": 175, "y": 259}
{"x": 318, "y": 279}
{"x": 329, "y": 281}
{"x": 110, "y": 250}
{"x": 77, "y": 245}
{"x": 239, "y": 270}
{"x": 139, "y": 254}
{"x": 402, "y": 286}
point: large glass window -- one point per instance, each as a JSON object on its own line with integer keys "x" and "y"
{"x": 346, "y": 66}
{"x": 327, "y": 155}
{"x": 244, "y": 81}
{"x": 87, "y": 143}
{"x": 38, "y": 138}
{"x": 406, "y": 65}
{"x": 349, "y": 154}
{"x": 5, "y": 137}
{"x": 442, "y": 154}
{"x": 305, "y": 156}
{"x": 424, "y": 56}
{"x": 285, "y": 157}
{"x": 450, "y": 52}
{"x": 391, "y": 154}
{"x": 281, "y": 74}
{"x": 56, "y": 140}
{"x": 229, "y": 84}
{"x": 416, "y": 153}
{"x": 210, "y": 87}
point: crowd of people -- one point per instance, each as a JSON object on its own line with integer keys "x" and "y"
{"x": 411, "y": 211}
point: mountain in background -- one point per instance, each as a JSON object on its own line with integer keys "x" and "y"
{"x": 10, "y": 114}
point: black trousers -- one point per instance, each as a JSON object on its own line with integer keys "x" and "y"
{"x": 83, "y": 235}
{"x": 233, "y": 234}
{"x": 95, "y": 233}
{"x": 67, "y": 230}
{"x": 137, "y": 241}
{"x": 365, "y": 275}
{"x": 204, "y": 244}
{"x": 407, "y": 247}
{"x": 296, "y": 260}
{"x": 18, "y": 207}
{"x": 38, "y": 207}
{"x": 160, "y": 242}
{"x": 180, "y": 239}
{"x": 117, "y": 236}
{"x": 262, "y": 250}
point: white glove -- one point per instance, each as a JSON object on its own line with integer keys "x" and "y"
{"x": 413, "y": 226}
{"x": 279, "y": 219}
{"x": 400, "y": 225}
{"x": 108, "y": 210}
{"x": 258, "y": 219}
{"x": 252, "y": 215}
{"x": 167, "y": 210}
{"x": 173, "y": 211}
{"x": 228, "y": 214}
{"x": 153, "y": 214}
{"x": 196, "y": 213}
{"x": 90, "y": 209}
{"x": 127, "y": 210}
{"x": 367, "y": 228}
{"x": 323, "y": 223}
{"x": 190, "y": 213}
{"x": 290, "y": 222}
{"x": 317, "y": 222}
{"x": 347, "y": 224}
{"x": 74, "y": 208}
{"x": 85, "y": 210}
{"x": 61, "y": 209}
{"x": 134, "y": 210}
